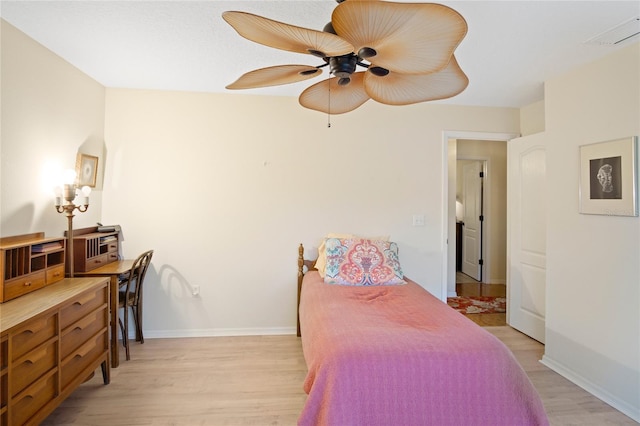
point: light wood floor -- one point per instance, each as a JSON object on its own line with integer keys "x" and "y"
{"x": 257, "y": 380}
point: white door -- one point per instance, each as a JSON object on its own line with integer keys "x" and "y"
{"x": 472, "y": 228}
{"x": 527, "y": 224}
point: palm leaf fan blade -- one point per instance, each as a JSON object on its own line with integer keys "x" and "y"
{"x": 410, "y": 38}
{"x": 284, "y": 36}
{"x": 274, "y": 76}
{"x": 331, "y": 98}
{"x": 405, "y": 89}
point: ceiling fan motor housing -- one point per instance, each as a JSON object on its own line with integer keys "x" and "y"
{"x": 343, "y": 66}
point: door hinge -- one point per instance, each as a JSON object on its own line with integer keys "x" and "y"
{"x": 481, "y": 218}
{"x": 481, "y": 174}
{"x": 480, "y": 262}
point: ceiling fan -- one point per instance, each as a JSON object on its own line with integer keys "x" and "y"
{"x": 405, "y": 51}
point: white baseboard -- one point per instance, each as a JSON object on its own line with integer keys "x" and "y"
{"x": 592, "y": 388}
{"x": 452, "y": 294}
{"x": 218, "y": 332}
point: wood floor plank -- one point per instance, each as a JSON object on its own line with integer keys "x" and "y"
{"x": 257, "y": 380}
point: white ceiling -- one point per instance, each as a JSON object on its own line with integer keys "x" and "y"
{"x": 511, "y": 47}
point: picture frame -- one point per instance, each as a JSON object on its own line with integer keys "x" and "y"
{"x": 87, "y": 170}
{"x": 609, "y": 177}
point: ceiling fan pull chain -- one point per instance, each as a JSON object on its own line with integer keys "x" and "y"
{"x": 329, "y": 107}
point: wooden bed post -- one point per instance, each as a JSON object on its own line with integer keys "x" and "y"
{"x": 300, "y": 276}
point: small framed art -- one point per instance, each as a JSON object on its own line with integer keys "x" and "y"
{"x": 87, "y": 170}
{"x": 608, "y": 177}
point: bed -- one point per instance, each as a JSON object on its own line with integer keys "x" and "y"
{"x": 396, "y": 355}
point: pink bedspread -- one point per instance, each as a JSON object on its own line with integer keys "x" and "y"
{"x": 396, "y": 355}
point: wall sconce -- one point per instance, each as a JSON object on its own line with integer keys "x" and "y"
{"x": 69, "y": 193}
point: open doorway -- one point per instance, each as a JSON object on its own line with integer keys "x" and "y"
{"x": 481, "y": 233}
{"x": 473, "y": 146}
{"x": 481, "y": 188}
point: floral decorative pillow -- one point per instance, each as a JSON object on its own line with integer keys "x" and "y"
{"x": 321, "y": 261}
{"x": 362, "y": 262}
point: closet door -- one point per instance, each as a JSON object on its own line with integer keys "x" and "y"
{"x": 472, "y": 229}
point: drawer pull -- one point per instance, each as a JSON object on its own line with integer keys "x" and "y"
{"x": 56, "y": 274}
{"x": 85, "y": 349}
{"x": 82, "y": 324}
{"x": 37, "y": 327}
{"x": 36, "y": 356}
{"x": 84, "y": 300}
{"x": 36, "y": 390}
{"x": 27, "y": 284}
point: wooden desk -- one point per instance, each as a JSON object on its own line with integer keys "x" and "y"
{"x": 112, "y": 270}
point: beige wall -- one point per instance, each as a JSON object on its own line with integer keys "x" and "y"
{"x": 50, "y": 112}
{"x": 532, "y": 118}
{"x": 231, "y": 184}
{"x": 593, "y": 262}
{"x": 225, "y": 187}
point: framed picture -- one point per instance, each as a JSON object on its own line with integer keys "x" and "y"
{"x": 609, "y": 177}
{"x": 87, "y": 170}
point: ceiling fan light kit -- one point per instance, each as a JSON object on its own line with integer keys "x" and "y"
{"x": 406, "y": 51}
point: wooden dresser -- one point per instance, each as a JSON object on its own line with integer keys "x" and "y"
{"x": 51, "y": 341}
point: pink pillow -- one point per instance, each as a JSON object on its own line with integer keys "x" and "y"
{"x": 362, "y": 262}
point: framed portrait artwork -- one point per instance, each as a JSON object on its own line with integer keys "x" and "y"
{"x": 609, "y": 177}
{"x": 87, "y": 170}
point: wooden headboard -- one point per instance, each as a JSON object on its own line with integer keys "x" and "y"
{"x": 302, "y": 263}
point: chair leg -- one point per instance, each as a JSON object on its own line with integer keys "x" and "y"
{"x": 137, "y": 315}
{"x": 124, "y": 325}
{"x": 135, "y": 321}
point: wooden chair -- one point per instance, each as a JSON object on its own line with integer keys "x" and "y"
{"x": 130, "y": 297}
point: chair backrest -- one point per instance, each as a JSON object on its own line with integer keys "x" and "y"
{"x": 136, "y": 276}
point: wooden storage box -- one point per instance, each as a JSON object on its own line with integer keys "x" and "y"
{"x": 29, "y": 262}
{"x": 92, "y": 249}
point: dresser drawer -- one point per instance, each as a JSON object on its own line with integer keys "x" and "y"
{"x": 82, "y": 330}
{"x": 32, "y": 334}
{"x": 23, "y": 285}
{"x": 112, "y": 256}
{"x": 55, "y": 274}
{"x": 83, "y": 357}
{"x": 83, "y": 305}
{"x": 96, "y": 262}
{"x": 31, "y": 366}
{"x": 27, "y": 403}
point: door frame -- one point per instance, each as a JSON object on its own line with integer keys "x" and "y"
{"x": 448, "y": 225}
